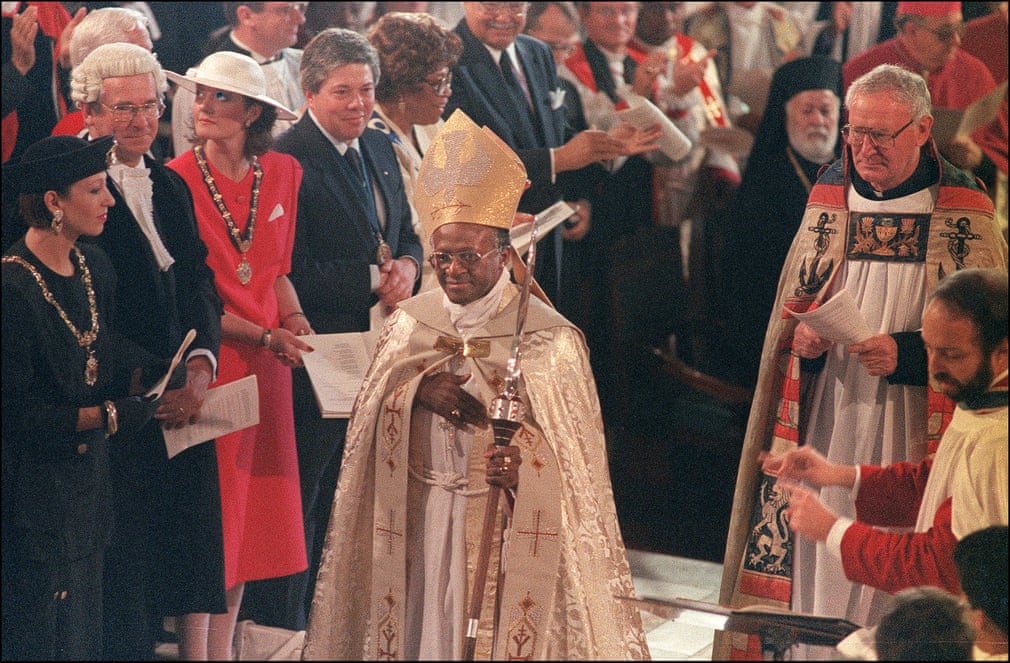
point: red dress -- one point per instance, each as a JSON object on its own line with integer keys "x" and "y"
{"x": 258, "y": 466}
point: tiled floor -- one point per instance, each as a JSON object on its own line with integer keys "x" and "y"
{"x": 659, "y": 576}
{"x": 667, "y": 577}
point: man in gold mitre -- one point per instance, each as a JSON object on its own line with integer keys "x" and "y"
{"x": 397, "y": 571}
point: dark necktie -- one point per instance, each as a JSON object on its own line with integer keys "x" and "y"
{"x": 354, "y": 159}
{"x": 520, "y": 94}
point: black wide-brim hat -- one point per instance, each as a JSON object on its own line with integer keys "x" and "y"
{"x": 56, "y": 162}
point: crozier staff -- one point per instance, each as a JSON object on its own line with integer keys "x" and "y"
{"x": 66, "y": 383}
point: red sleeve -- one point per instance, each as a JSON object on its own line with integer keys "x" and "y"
{"x": 890, "y": 496}
{"x": 893, "y": 562}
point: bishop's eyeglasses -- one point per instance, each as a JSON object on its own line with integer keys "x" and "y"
{"x": 466, "y": 259}
{"x": 880, "y": 139}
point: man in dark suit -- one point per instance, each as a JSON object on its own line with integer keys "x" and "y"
{"x": 524, "y": 104}
{"x": 355, "y": 247}
{"x": 167, "y": 552}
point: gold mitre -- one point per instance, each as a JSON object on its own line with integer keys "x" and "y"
{"x": 468, "y": 175}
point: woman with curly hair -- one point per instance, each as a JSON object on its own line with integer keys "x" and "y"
{"x": 416, "y": 56}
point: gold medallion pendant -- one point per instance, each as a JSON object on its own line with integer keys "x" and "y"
{"x": 91, "y": 369}
{"x": 244, "y": 271}
{"x": 384, "y": 253}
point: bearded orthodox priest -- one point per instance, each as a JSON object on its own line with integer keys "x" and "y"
{"x": 397, "y": 570}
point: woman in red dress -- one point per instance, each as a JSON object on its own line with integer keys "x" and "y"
{"x": 245, "y": 199}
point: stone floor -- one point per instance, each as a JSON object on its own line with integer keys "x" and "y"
{"x": 667, "y": 577}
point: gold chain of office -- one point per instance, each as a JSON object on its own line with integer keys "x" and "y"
{"x": 241, "y": 244}
{"x": 86, "y": 339}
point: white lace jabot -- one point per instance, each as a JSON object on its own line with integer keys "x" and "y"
{"x": 134, "y": 184}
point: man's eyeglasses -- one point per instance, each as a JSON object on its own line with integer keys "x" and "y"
{"x": 495, "y": 8}
{"x": 563, "y": 48}
{"x": 442, "y": 85}
{"x": 879, "y": 139}
{"x": 948, "y": 31}
{"x": 466, "y": 259}
{"x": 288, "y": 8}
{"x": 124, "y": 113}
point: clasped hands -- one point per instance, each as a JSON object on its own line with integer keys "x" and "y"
{"x": 879, "y": 353}
{"x": 806, "y": 514}
{"x": 443, "y": 394}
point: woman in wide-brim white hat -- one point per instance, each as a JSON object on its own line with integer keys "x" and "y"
{"x": 245, "y": 197}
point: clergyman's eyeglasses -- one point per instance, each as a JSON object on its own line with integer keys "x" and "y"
{"x": 879, "y": 139}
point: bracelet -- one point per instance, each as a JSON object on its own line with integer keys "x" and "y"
{"x": 111, "y": 419}
{"x": 266, "y": 338}
{"x": 296, "y": 314}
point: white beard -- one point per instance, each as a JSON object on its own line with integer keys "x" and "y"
{"x": 813, "y": 146}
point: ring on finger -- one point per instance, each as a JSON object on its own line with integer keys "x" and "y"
{"x": 506, "y": 461}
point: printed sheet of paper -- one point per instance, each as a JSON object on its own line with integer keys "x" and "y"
{"x": 336, "y": 368}
{"x": 226, "y": 409}
{"x": 837, "y": 319}
{"x": 548, "y": 220}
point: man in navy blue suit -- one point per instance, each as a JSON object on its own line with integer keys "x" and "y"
{"x": 524, "y": 104}
{"x": 355, "y": 249}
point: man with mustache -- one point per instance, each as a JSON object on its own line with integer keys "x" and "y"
{"x": 798, "y": 134}
{"x": 960, "y": 490}
{"x": 865, "y": 402}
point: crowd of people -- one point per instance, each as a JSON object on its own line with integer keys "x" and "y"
{"x": 260, "y": 173}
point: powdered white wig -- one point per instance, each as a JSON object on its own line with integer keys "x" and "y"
{"x": 107, "y": 26}
{"x": 113, "y": 61}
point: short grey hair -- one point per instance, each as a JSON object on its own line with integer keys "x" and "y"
{"x": 904, "y": 86}
{"x": 332, "y": 48}
{"x": 113, "y": 61}
{"x": 104, "y": 26}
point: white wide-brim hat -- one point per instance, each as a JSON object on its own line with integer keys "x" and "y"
{"x": 231, "y": 72}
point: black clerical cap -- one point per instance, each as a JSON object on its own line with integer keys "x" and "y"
{"x": 57, "y": 162}
{"x": 811, "y": 73}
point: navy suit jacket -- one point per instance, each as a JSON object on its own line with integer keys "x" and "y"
{"x": 480, "y": 90}
{"x": 334, "y": 242}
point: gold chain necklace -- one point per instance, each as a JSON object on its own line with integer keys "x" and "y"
{"x": 87, "y": 338}
{"x": 242, "y": 244}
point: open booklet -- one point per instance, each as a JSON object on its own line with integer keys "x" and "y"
{"x": 336, "y": 368}
{"x": 837, "y": 319}
{"x": 226, "y": 409}
{"x": 948, "y": 122}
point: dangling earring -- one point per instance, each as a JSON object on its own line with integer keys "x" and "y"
{"x": 402, "y": 105}
{"x": 56, "y": 225}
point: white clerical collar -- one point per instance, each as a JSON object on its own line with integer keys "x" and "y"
{"x": 468, "y": 318}
{"x": 337, "y": 143}
{"x": 259, "y": 57}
